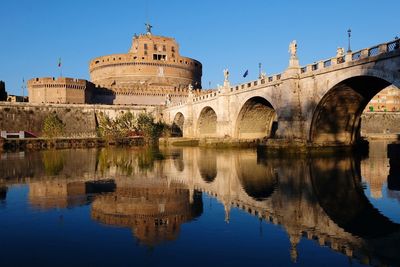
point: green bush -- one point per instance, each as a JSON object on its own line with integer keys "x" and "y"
{"x": 53, "y": 126}
{"x": 122, "y": 126}
{"x": 150, "y": 129}
{"x": 127, "y": 125}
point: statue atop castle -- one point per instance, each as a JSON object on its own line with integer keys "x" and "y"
{"x": 148, "y": 28}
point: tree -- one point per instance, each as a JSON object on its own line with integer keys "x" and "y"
{"x": 53, "y": 126}
{"x": 127, "y": 125}
{"x": 150, "y": 130}
{"x": 120, "y": 127}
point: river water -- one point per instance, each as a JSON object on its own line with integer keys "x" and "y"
{"x": 198, "y": 207}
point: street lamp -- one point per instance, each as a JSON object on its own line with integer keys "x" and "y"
{"x": 349, "y": 35}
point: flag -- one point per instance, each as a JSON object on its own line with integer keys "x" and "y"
{"x": 246, "y": 73}
{"x": 59, "y": 62}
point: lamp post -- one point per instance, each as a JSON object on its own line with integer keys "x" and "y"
{"x": 349, "y": 35}
{"x": 23, "y": 89}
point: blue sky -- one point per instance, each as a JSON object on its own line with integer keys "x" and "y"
{"x": 219, "y": 33}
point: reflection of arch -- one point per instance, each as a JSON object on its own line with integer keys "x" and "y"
{"x": 178, "y": 160}
{"x": 207, "y": 163}
{"x": 207, "y": 122}
{"x": 336, "y": 118}
{"x": 177, "y": 125}
{"x": 255, "y": 119}
{"x": 393, "y": 179}
{"x": 3, "y": 193}
{"x": 337, "y": 186}
{"x": 257, "y": 180}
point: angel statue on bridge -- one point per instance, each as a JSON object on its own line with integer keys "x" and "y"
{"x": 226, "y": 75}
{"x": 293, "y": 49}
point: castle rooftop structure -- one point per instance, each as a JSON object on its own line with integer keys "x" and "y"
{"x": 60, "y": 90}
{"x": 3, "y": 93}
{"x": 152, "y": 70}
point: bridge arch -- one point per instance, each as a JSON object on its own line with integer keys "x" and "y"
{"x": 207, "y": 122}
{"x": 337, "y": 116}
{"x": 256, "y": 119}
{"x": 177, "y": 125}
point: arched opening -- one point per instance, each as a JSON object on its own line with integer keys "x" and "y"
{"x": 336, "y": 119}
{"x": 380, "y": 114}
{"x": 207, "y": 164}
{"x": 257, "y": 119}
{"x": 207, "y": 123}
{"x": 177, "y": 125}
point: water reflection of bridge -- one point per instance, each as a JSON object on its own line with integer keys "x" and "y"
{"x": 319, "y": 199}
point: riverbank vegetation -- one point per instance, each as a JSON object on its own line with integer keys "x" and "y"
{"x": 128, "y": 125}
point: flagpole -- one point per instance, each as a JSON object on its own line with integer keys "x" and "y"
{"x": 60, "y": 66}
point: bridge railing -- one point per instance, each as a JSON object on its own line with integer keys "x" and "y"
{"x": 245, "y": 86}
{"x": 323, "y": 64}
{"x": 394, "y": 45}
{"x": 353, "y": 56}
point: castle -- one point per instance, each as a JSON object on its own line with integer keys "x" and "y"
{"x": 152, "y": 72}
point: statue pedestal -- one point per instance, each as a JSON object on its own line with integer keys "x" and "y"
{"x": 293, "y": 70}
{"x": 225, "y": 89}
{"x": 294, "y": 62}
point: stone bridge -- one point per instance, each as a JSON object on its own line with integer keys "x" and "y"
{"x": 318, "y": 104}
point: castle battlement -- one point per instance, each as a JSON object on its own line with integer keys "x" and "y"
{"x": 72, "y": 83}
{"x": 59, "y": 90}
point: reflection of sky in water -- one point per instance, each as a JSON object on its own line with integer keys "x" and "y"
{"x": 388, "y": 204}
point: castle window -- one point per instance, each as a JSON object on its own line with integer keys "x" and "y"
{"x": 173, "y": 49}
{"x": 145, "y": 46}
{"x": 155, "y": 47}
{"x": 159, "y": 57}
{"x": 173, "y": 54}
{"x": 164, "y": 48}
{"x": 145, "y": 52}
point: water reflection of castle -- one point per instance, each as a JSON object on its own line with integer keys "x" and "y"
{"x": 318, "y": 199}
{"x": 153, "y": 209}
{"x": 375, "y": 169}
